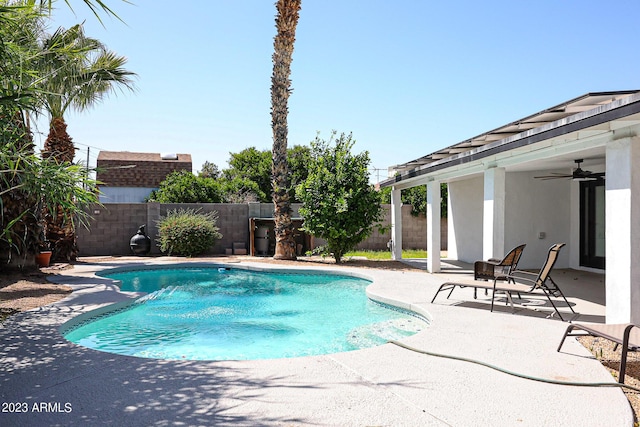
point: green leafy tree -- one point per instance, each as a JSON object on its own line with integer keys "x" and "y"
{"x": 209, "y": 170}
{"x": 417, "y": 198}
{"x": 240, "y": 190}
{"x": 252, "y": 164}
{"x": 255, "y": 165}
{"x": 298, "y": 157}
{"x": 339, "y": 203}
{"x": 185, "y": 187}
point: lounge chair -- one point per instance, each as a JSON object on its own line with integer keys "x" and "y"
{"x": 515, "y": 282}
{"x": 625, "y": 334}
{"x": 494, "y": 267}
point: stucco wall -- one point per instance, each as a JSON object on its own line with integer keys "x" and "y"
{"x": 536, "y": 206}
{"x": 114, "y": 224}
{"x": 533, "y": 206}
{"x": 465, "y": 219}
{"x": 124, "y": 194}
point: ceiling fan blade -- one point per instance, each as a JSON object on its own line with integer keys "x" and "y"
{"x": 554, "y": 176}
{"x": 578, "y": 173}
{"x": 582, "y": 174}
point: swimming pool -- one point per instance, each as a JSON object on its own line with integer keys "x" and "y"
{"x": 215, "y": 313}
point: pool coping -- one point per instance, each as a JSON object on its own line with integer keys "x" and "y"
{"x": 382, "y": 385}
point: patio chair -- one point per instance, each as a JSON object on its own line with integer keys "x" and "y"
{"x": 494, "y": 267}
{"x": 625, "y": 334}
{"x": 515, "y": 282}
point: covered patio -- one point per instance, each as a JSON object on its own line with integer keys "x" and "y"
{"x": 522, "y": 183}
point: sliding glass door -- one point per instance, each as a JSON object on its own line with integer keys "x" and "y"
{"x": 592, "y": 224}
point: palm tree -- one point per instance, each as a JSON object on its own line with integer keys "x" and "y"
{"x": 76, "y": 72}
{"x": 286, "y": 22}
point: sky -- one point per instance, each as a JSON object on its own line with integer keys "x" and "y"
{"x": 407, "y": 78}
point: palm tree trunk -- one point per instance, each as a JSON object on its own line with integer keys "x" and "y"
{"x": 286, "y": 22}
{"x": 59, "y": 144}
{"x": 60, "y": 231}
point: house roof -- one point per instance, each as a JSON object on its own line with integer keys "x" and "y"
{"x": 578, "y": 113}
{"x": 139, "y": 157}
{"x": 147, "y": 170}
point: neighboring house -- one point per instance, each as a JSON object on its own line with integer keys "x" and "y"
{"x": 128, "y": 177}
{"x": 520, "y": 183}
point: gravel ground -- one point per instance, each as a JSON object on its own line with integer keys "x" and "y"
{"x": 26, "y": 291}
{"x": 603, "y": 350}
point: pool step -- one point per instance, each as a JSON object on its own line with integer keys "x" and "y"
{"x": 381, "y": 332}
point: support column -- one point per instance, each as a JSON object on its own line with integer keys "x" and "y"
{"x": 396, "y": 224}
{"x": 433, "y": 227}
{"x": 153, "y": 215}
{"x": 623, "y": 231}
{"x": 493, "y": 214}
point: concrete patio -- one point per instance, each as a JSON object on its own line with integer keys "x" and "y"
{"x": 385, "y": 385}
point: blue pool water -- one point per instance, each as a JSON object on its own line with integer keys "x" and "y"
{"x": 218, "y": 314}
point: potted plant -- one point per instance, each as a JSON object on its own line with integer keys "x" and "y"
{"x": 43, "y": 256}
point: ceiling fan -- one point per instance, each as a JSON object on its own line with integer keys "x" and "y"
{"x": 578, "y": 173}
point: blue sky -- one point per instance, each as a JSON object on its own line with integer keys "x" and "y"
{"x": 406, "y": 77}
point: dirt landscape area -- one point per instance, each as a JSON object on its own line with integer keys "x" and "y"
{"x": 26, "y": 291}
{"x": 23, "y": 291}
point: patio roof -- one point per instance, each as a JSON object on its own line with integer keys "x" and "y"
{"x": 576, "y": 114}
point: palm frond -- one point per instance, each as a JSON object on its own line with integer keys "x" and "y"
{"x": 78, "y": 72}
{"x": 96, "y": 7}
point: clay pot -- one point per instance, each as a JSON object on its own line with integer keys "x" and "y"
{"x": 43, "y": 259}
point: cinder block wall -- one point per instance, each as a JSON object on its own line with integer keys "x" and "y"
{"x": 233, "y": 222}
{"x": 114, "y": 224}
{"x": 112, "y": 227}
{"x": 414, "y": 232}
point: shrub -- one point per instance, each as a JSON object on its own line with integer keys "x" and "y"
{"x": 187, "y": 232}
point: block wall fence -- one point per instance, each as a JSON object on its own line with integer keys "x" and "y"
{"x": 114, "y": 224}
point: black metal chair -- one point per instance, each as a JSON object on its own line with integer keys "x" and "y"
{"x": 494, "y": 267}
